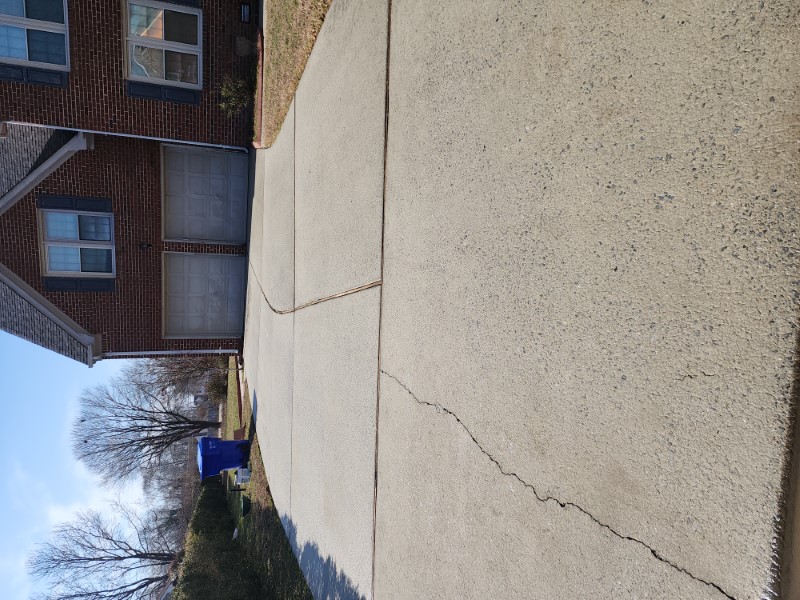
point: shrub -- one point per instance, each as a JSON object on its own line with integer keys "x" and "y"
{"x": 236, "y": 95}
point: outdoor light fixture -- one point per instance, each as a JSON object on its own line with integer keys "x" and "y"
{"x": 245, "y": 12}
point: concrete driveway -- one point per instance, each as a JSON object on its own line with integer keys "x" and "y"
{"x": 532, "y": 332}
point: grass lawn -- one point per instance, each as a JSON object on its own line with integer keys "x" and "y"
{"x": 261, "y": 534}
{"x": 214, "y": 565}
{"x": 231, "y": 421}
{"x": 290, "y": 30}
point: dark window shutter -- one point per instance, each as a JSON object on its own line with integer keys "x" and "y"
{"x": 76, "y": 284}
{"x": 31, "y": 75}
{"x": 150, "y": 91}
{"x": 12, "y": 73}
{"x": 73, "y": 203}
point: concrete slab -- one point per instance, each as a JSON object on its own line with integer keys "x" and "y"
{"x": 274, "y": 398}
{"x": 333, "y": 441}
{"x": 252, "y": 333}
{"x": 254, "y": 298}
{"x": 340, "y": 136}
{"x": 591, "y": 260}
{"x": 277, "y": 245}
{"x": 256, "y": 236}
{"x": 485, "y": 534}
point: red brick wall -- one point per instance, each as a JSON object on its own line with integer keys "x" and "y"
{"x": 128, "y": 172}
{"x": 95, "y": 97}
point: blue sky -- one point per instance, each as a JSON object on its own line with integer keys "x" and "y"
{"x": 42, "y": 484}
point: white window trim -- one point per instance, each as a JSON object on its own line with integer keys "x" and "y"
{"x": 45, "y": 244}
{"x": 131, "y": 40}
{"x": 26, "y": 24}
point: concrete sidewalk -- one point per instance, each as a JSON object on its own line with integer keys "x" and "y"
{"x": 316, "y": 231}
{"x": 579, "y": 344}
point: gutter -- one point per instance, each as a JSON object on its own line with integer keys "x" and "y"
{"x": 219, "y": 351}
{"x": 134, "y": 136}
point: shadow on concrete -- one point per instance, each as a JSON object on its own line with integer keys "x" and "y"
{"x": 786, "y": 542}
{"x": 254, "y": 412}
{"x": 324, "y": 578}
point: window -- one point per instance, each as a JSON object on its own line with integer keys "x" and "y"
{"x": 164, "y": 43}
{"x": 78, "y": 243}
{"x": 34, "y": 33}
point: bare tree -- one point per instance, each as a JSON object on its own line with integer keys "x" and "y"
{"x": 183, "y": 375}
{"x": 128, "y": 424}
{"x": 95, "y": 558}
{"x": 175, "y": 484}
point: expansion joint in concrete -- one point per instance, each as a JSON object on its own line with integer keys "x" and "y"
{"x": 287, "y": 311}
{"x": 563, "y": 504}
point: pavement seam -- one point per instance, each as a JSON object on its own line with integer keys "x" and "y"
{"x": 380, "y": 298}
{"x": 563, "y": 504}
{"x": 289, "y": 311}
{"x": 294, "y": 285}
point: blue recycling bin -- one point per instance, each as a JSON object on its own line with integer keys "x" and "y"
{"x": 215, "y": 455}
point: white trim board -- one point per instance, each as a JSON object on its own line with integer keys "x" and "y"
{"x": 81, "y": 141}
{"x": 49, "y": 310}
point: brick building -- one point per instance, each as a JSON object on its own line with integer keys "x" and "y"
{"x": 123, "y": 186}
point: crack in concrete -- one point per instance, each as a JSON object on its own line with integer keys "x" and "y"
{"x": 694, "y": 376}
{"x": 562, "y": 503}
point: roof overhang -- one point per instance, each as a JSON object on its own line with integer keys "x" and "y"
{"x": 48, "y": 310}
{"x": 81, "y": 141}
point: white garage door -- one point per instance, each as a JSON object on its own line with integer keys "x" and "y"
{"x": 205, "y": 195}
{"x": 204, "y": 295}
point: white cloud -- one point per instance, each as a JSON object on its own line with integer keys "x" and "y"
{"x": 15, "y": 577}
{"x": 49, "y": 511}
{"x": 39, "y": 497}
{"x": 92, "y": 496}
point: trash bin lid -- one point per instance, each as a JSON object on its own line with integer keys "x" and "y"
{"x": 200, "y": 456}
{"x": 206, "y": 445}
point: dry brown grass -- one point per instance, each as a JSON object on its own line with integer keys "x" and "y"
{"x": 290, "y": 30}
{"x": 230, "y": 418}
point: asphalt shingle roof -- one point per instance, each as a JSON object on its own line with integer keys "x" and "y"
{"x": 21, "y": 318}
{"x": 21, "y": 152}
{"x": 24, "y": 149}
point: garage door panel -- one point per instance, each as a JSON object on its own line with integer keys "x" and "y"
{"x": 176, "y": 304}
{"x": 174, "y": 161}
{"x": 218, "y": 187}
{"x": 195, "y": 227}
{"x": 218, "y": 265}
{"x": 176, "y": 206}
{"x": 195, "y": 324}
{"x": 231, "y": 322}
{"x": 198, "y": 185}
{"x": 175, "y": 223}
{"x": 218, "y": 165}
{"x": 176, "y": 286}
{"x": 218, "y": 208}
{"x": 205, "y": 195}
{"x": 197, "y": 162}
{"x": 205, "y": 295}
{"x": 218, "y": 227}
{"x": 238, "y": 163}
{"x": 175, "y": 183}
{"x": 238, "y": 187}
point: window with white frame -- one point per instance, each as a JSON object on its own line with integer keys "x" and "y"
{"x": 34, "y": 33}
{"x": 164, "y": 43}
{"x": 78, "y": 243}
